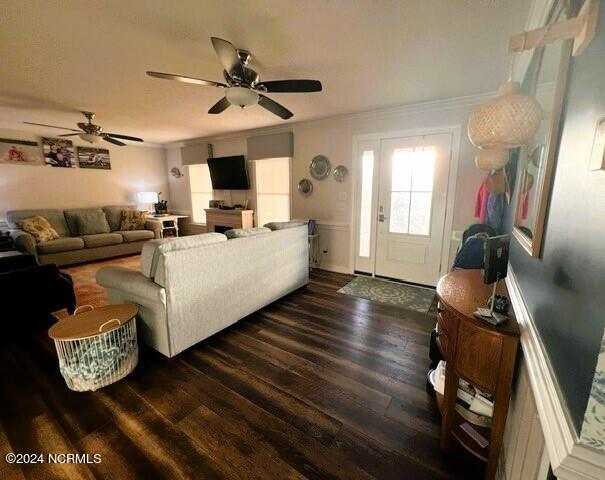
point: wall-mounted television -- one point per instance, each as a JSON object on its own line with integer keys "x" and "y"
{"x": 228, "y": 173}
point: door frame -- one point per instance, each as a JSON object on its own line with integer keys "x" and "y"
{"x": 456, "y": 132}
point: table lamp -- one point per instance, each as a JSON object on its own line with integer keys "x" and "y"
{"x": 147, "y": 200}
{"x": 495, "y": 268}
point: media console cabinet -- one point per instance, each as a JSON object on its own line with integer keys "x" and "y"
{"x": 219, "y": 220}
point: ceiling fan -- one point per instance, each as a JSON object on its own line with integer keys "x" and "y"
{"x": 243, "y": 87}
{"x": 92, "y": 133}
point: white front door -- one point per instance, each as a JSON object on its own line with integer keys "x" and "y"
{"x": 411, "y": 208}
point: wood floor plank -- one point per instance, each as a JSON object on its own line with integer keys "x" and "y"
{"x": 245, "y": 455}
{"x": 316, "y": 385}
{"x": 300, "y": 415}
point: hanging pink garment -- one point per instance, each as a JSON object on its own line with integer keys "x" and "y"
{"x": 481, "y": 203}
{"x": 524, "y": 201}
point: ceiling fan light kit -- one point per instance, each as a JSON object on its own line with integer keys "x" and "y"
{"x": 241, "y": 96}
{"x": 243, "y": 87}
{"x": 92, "y": 133}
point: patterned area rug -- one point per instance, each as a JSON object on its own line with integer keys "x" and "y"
{"x": 392, "y": 293}
{"x": 88, "y": 291}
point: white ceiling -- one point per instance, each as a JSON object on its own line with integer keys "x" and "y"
{"x": 61, "y": 57}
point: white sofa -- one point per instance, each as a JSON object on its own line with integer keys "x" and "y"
{"x": 192, "y": 287}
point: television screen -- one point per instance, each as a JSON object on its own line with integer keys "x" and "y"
{"x": 228, "y": 173}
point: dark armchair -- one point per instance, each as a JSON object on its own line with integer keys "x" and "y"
{"x": 33, "y": 289}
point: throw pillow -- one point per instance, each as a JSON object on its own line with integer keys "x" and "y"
{"x": 39, "y": 228}
{"x": 92, "y": 222}
{"x": 246, "y": 232}
{"x": 284, "y": 225}
{"x": 133, "y": 220}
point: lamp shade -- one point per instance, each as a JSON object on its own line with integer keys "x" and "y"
{"x": 508, "y": 121}
{"x": 148, "y": 197}
{"x": 491, "y": 159}
{"x": 89, "y": 137}
{"x": 241, "y": 96}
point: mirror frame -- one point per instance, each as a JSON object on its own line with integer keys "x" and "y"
{"x": 533, "y": 246}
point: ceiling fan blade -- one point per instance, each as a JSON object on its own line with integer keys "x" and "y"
{"x": 220, "y": 106}
{"x": 125, "y": 137}
{"x": 69, "y": 134}
{"x": 227, "y": 54}
{"x": 114, "y": 141}
{"x": 290, "y": 86}
{"x": 52, "y": 126}
{"x": 274, "y": 107}
{"x": 183, "y": 79}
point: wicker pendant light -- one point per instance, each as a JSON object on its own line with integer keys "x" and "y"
{"x": 491, "y": 159}
{"x": 508, "y": 121}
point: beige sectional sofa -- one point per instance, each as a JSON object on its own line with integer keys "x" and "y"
{"x": 192, "y": 287}
{"x": 71, "y": 247}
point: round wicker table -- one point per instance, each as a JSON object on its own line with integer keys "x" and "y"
{"x": 98, "y": 347}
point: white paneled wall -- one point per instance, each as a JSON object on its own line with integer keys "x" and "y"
{"x": 524, "y": 455}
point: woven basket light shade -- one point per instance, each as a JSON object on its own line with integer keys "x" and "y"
{"x": 508, "y": 121}
{"x": 491, "y": 159}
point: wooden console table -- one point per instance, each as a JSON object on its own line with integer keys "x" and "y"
{"x": 481, "y": 354}
{"x": 216, "y": 217}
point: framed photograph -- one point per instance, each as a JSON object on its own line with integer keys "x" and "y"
{"x": 58, "y": 152}
{"x": 97, "y": 158}
{"x": 20, "y": 152}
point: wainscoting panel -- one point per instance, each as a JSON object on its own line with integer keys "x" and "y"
{"x": 334, "y": 240}
{"x": 524, "y": 454}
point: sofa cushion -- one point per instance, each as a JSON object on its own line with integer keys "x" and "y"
{"x": 72, "y": 215}
{"x": 91, "y": 223}
{"x": 133, "y": 220}
{"x": 284, "y": 225}
{"x": 102, "y": 239}
{"x": 54, "y": 217}
{"x": 135, "y": 235}
{"x": 63, "y": 244}
{"x": 246, "y": 232}
{"x": 39, "y": 228}
{"x": 154, "y": 248}
{"x": 114, "y": 215}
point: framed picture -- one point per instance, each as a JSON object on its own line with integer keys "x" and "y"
{"x": 20, "y": 152}
{"x": 58, "y": 152}
{"x": 97, "y": 158}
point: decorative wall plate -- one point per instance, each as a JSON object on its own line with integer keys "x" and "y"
{"x": 340, "y": 173}
{"x": 320, "y": 167}
{"x": 305, "y": 187}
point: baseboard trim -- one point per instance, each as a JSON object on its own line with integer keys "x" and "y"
{"x": 334, "y": 268}
{"x": 570, "y": 460}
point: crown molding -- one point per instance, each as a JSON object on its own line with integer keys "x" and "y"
{"x": 395, "y": 111}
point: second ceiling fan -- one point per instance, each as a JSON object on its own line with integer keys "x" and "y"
{"x": 243, "y": 86}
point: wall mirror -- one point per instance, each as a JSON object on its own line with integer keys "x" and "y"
{"x": 545, "y": 78}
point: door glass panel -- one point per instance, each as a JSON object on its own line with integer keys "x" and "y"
{"x": 420, "y": 213}
{"x": 400, "y": 212}
{"x": 412, "y": 190}
{"x": 403, "y": 165}
{"x": 423, "y": 170}
{"x": 365, "y": 220}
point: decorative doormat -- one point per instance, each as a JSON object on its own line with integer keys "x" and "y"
{"x": 392, "y": 293}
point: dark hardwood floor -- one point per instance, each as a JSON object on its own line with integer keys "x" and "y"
{"x": 317, "y": 385}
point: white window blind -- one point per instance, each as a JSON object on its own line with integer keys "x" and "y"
{"x": 201, "y": 191}
{"x": 272, "y": 190}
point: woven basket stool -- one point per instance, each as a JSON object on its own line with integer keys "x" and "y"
{"x": 98, "y": 347}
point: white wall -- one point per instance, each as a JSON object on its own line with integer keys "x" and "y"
{"x": 331, "y": 202}
{"x": 133, "y": 169}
